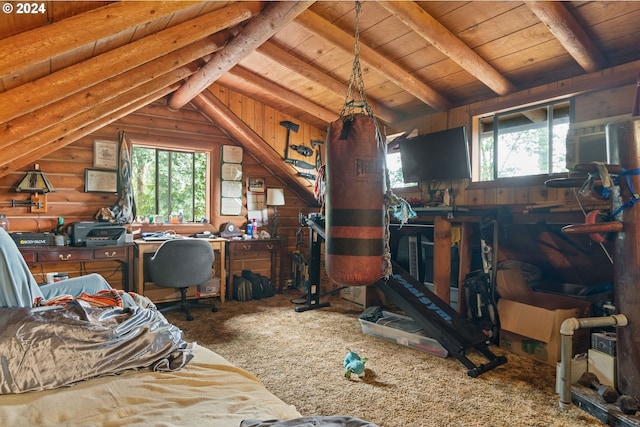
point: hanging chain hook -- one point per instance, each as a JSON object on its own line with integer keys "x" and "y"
{"x": 356, "y": 78}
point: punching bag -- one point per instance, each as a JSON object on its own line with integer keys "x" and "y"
{"x": 354, "y": 202}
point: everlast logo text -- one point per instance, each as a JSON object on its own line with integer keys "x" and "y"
{"x": 365, "y": 167}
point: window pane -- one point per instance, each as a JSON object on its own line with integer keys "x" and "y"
{"x": 523, "y": 152}
{"x": 182, "y": 184}
{"x": 559, "y": 144}
{"x": 143, "y": 179}
{"x": 394, "y": 164}
{"x": 526, "y": 144}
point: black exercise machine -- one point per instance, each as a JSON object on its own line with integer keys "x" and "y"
{"x": 439, "y": 320}
{"x": 315, "y": 222}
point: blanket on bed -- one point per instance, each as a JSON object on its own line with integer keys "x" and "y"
{"x": 49, "y": 347}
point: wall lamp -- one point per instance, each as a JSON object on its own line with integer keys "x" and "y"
{"x": 35, "y": 182}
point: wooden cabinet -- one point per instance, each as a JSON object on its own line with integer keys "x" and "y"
{"x": 50, "y": 255}
{"x": 256, "y": 247}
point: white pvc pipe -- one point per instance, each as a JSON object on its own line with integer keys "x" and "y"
{"x": 568, "y": 327}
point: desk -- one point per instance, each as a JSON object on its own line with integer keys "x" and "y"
{"x": 274, "y": 246}
{"x": 159, "y": 294}
{"x": 83, "y": 254}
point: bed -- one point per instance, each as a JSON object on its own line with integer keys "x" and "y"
{"x": 80, "y": 365}
{"x": 208, "y": 391}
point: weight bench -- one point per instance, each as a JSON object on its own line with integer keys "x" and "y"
{"x": 454, "y": 332}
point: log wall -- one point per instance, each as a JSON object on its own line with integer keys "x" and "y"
{"x": 188, "y": 128}
{"x": 155, "y": 124}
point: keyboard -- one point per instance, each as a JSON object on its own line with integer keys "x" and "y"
{"x": 157, "y": 237}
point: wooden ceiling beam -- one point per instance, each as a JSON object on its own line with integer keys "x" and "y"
{"x": 222, "y": 116}
{"x": 565, "y": 28}
{"x": 335, "y": 35}
{"x": 29, "y": 150}
{"x": 34, "y": 95}
{"x": 416, "y": 18}
{"x": 273, "y": 17}
{"x": 36, "y": 121}
{"x": 312, "y": 73}
{"x": 250, "y": 84}
{"x": 20, "y": 51}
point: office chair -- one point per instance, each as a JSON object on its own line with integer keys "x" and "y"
{"x": 181, "y": 263}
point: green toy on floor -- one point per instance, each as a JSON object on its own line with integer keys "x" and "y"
{"x": 354, "y": 364}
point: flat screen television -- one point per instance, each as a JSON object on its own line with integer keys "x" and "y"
{"x": 436, "y": 156}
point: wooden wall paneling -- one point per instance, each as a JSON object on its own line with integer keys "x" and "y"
{"x": 521, "y": 195}
{"x": 490, "y": 196}
{"x": 473, "y": 197}
{"x": 505, "y": 196}
{"x": 248, "y": 113}
{"x": 541, "y": 194}
{"x": 605, "y": 103}
{"x": 235, "y": 103}
{"x": 271, "y": 126}
{"x": 259, "y": 118}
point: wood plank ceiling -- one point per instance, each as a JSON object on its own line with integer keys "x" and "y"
{"x": 69, "y": 68}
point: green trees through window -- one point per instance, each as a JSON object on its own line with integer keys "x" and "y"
{"x": 524, "y": 142}
{"x": 168, "y": 182}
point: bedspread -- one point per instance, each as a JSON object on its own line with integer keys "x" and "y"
{"x": 46, "y": 348}
{"x": 208, "y": 391}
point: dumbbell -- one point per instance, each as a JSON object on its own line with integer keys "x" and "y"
{"x": 608, "y": 393}
{"x": 629, "y": 405}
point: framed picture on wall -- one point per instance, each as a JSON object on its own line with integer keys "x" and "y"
{"x": 256, "y": 185}
{"x": 105, "y": 154}
{"x": 231, "y": 154}
{"x": 100, "y": 181}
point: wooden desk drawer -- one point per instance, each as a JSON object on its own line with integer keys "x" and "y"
{"x": 253, "y": 245}
{"x": 29, "y": 256}
{"x": 63, "y": 255}
{"x": 110, "y": 253}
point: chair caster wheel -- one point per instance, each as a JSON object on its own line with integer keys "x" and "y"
{"x": 214, "y": 309}
{"x": 189, "y": 318}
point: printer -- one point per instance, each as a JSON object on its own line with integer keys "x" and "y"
{"x": 94, "y": 233}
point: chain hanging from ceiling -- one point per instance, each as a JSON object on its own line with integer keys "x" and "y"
{"x": 356, "y": 82}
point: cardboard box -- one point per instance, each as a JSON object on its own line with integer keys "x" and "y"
{"x": 578, "y": 367}
{"x": 603, "y": 365}
{"x": 365, "y": 296}
{"x": 530, "y": 321}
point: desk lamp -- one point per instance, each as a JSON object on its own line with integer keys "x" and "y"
{"x": 275, "y": 198}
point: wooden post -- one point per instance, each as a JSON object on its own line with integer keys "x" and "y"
{"x": 627, "y": 258}
{"x": 442, "y": 258}
{"x": 465, "y": 255}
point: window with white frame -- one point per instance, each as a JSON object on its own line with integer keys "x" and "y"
{"x": 526, "y": 141}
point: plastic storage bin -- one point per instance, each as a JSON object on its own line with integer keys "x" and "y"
{"x": 403, "y": 330}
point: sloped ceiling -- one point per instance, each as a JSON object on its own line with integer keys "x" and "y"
{"x": 70, "y": 68}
